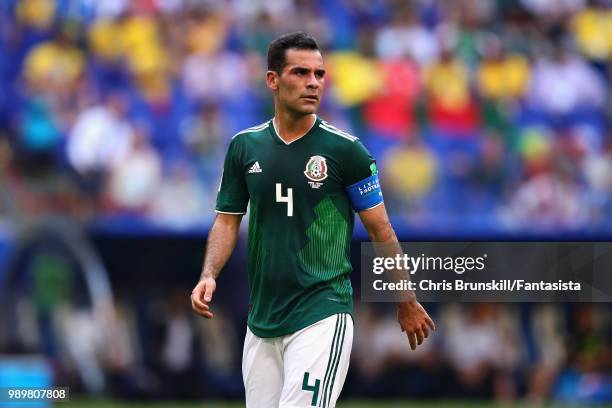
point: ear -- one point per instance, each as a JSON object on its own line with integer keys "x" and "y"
{"x": 272, "y": 80}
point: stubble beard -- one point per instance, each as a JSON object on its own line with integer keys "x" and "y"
{"x": 299, "y": 110}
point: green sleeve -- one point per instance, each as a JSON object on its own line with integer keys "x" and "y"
{"x": 359, "y": 164}
{"x": 233, "y": 196}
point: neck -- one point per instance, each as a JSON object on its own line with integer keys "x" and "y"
{"x": 290, "y": 127}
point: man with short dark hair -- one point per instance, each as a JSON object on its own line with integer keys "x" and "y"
{"x": 303, "y": 180}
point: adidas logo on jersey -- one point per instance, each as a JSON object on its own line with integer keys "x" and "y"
{"x": 255, "y": 168}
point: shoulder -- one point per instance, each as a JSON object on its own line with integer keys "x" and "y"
{"x": 336, "y": 133}
{"x": 243, "y": 140}
{"x": 252, "y": 131}
{"x": 346, "y": 145}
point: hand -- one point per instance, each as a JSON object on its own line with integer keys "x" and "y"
{"x": 415, "y": 321}
{"x": 201, "y": 296}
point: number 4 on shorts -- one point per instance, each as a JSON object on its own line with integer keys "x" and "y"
{"x": 313, "y": 388}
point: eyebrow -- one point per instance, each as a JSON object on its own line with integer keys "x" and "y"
{"x": 320, "y": 71}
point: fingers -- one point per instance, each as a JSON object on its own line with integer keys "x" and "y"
{"x": 208, "y": 293}
{"x": 196, "y": 300}
{"x": 415, "y": 321}
{"x": 430, "y": 323}
{"x": 199, "y": 307}
{"x": 412, "y": 340}
{"x": 420, "y": 336}
{"x": 425, "y": 330}
{"x": 417, "y": 336}
{"x": 204, "y": 311}
{"x": 201, "y": 297}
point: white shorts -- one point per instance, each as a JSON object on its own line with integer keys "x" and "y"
{"x": 302, "y": 369}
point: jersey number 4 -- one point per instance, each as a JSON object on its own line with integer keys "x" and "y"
{"x": 280, "y": 198}
{"x": 314, "y": 388}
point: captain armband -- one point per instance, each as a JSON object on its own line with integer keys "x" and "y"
{"x": 365, "y": 194}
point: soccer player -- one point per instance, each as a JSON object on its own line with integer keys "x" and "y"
{"x": 303, "y": 179}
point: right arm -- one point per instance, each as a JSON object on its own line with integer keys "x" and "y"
{"x": 232, "y": 201}
{"x": 221, "y": 243}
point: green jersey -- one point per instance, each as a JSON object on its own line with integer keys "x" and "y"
{"x": 301, "y": 221}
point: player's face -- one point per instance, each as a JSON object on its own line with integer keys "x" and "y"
{"x": 299, "y": 87}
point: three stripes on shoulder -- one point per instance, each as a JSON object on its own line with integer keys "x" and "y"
{"x": 253, "y": 129}
{"x": 332, "y": 129}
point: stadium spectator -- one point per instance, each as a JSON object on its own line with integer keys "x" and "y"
{"x": 40, "y": 137}
{"x": 99, "y": 140}
{"x": 355, "y": 78}
{"x": 591, "y": 29}
{"x": 214, "y": 77}
{"x": 549, "y": 337}
{"x": 597, "y": 168}
{"x": 563, "y": 83}
{"x": 451, "y": 107}
{"x": 221, "y": 337}
{"x": 549, "y": 200}
{"x": 412, "y": 171}
{"x": 553, "y": 10}
{"x": 180, "y": 185}
{"x": 501, "y": 76}
{"x": 55, "y": 66}
{"x": 133, "y": 181}
{"x": 178, "y": 351}
{"x": 391, "y": 112}
{"x": 407, "y": 37}
{"x": 385, "y": 367}
{"x": 36, "y": 14}
{"x": 485, "y": 368}
{"x": 587, "y": 379}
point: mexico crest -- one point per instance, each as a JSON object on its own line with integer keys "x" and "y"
{"x": 316, "y": 168}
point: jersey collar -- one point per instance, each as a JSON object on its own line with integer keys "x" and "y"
{"x": 276, "y": 137}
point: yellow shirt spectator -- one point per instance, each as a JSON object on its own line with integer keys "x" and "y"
{"x": 355, "y": 79}
{"x": 142, "y": 46}
{"x": 411, "y": 170}
{"x": 503, "y": 79}
{"x": 447, "y": 84}
{"x": 208, "y": 35}
{"x": 105, "y": 39}
{"x": 36, "y": 13}
{"x": 54, "y": 63}
{"x": 593, "y": 31}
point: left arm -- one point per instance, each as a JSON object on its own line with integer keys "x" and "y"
{"x": 411, "y": 316}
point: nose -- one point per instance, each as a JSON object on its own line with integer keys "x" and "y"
{"x": 313, "y": 82}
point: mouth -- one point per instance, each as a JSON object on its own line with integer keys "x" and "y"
{"x": 313, "y": 98}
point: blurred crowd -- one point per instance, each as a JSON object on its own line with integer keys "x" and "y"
{"x": 155, "y": 347}
{"x": 483, "y": 115}
{"x": 527, "y": 352}
{"x": 143, "y": 341}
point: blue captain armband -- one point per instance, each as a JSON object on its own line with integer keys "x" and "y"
{"x": 365, "y": 194}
